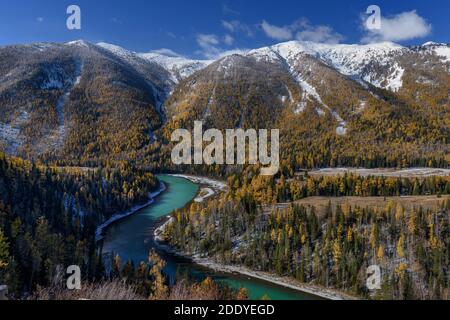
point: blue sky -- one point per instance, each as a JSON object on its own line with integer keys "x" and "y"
{"x": 206, "y": 28}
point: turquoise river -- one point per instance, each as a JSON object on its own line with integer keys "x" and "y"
{"x": 132, "y": 238}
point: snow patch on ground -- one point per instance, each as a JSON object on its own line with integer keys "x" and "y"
{"x": 214, "y": 184}
{"x": 443, "y": 52}
{"x": 61, "y": 131}
{"x": 300, "y": 107}
{"x": 310, "y": 91}
{"x": 10, "y": 136}
{"x": 80, "y": 43}
{"x": 10, "y": 133}
{"x": 288, "y": 54}
{"x": 393, "y": 82}
{"x": 204, "y": 194}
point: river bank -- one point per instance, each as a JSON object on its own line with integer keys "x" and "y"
{"x": 286, "y": 282}
{"x": 328, "y": 294}
{"x": 209, "y": 187}
{"x": 216, "y": 186}
{"x": 290, "y": 283}
{"x": 100, "y": 229}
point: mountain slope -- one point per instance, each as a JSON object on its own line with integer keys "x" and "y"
{"x": 178, "y": 67}
{"x": 76, "y": 101}
{"x": 335, "y": 105}
{"x": 362, "y": 105}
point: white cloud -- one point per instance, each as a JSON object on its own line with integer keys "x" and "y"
{"x": 229, "y": 25}
{"x": 229, "y": 40}
{"x": 40, "y": 19}
{"x": 171, "y": 34}
{"x": 115, "y": 20}
{"x": 211, "y": 48}
{"x": 209, "y": 45}
{"x": 277, "y": 33}
{"x": 320, "y": 34}
{"x": 303, "y": 31}
{"x": 401, "y": 27}
{"x": 235, "y": 26}
{"x": 166, "y": 52}
{"x": 227, "y": 10}
{"x": 204, "y": 40}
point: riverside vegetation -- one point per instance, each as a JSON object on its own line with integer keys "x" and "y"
{"x": 331, "y": 247}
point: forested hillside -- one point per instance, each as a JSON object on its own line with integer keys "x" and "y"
{"x": 77, "y": 102}
{"x": 48, "y": 217}
{"x": 331, "y": 248}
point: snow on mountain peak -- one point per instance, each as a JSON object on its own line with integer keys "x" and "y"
{"x": 351, "y": 60}
{"x": 179, "y": 67}
{"x": 433, "y": 44}
{"x": 80, "y": 43}
{"x": 359, "y": 62}
{"x": 442, "y": 50}
{"x": 117, "y": 50}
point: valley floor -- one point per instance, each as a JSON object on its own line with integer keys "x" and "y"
{"x": 408, "y": 202}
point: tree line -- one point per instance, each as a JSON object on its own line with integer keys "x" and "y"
{"x": 282, "y": 189}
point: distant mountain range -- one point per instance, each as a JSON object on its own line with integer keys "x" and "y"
{"x": 83, "y": 103}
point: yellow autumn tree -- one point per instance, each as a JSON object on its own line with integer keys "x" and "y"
{"x": 380, "y": 253}
{"x": 159, "y": 288}
{"x": 401, "y": 246}
{"x": 242, "y": 294}
{"x": 337, "y": 252}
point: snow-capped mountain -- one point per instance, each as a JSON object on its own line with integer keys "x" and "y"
{"x": 89, "y": 99}
{"x": 440, "y": 50}
{"x": 177, "y": 66}
{"x": 361, "y": 62}
{"x": 333, "y": 81}
{"x": 57, "y": 98}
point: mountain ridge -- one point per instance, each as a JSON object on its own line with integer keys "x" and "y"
{"x": 84, "y": 102}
